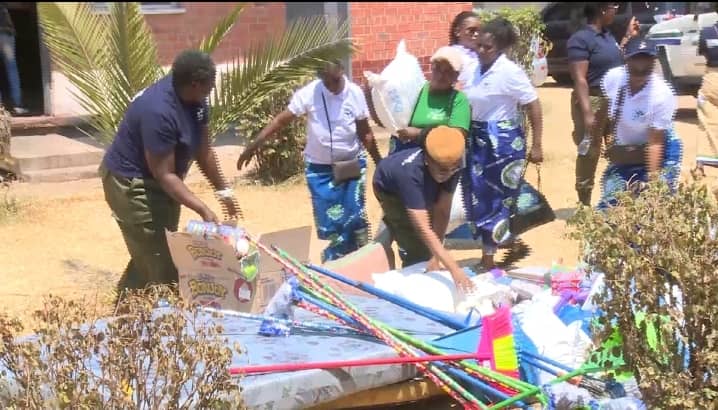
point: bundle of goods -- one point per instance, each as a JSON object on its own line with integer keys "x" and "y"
{"x": 395, "y": 91}
{"x": 469, "y": 383}
{"x": 247, "y": 253}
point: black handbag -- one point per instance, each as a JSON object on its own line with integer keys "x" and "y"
{"x": 530, "y": 208}
{"x": 342, "y": 171}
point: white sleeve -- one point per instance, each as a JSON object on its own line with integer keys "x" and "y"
{"x": 362, "y": 107}
{"x": 611, "y": 82}
{"x": 520, "y": 87}
{"x": 664, "y": 110}
{"x": 300, "y": 101}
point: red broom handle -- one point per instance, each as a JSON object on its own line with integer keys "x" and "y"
{"x": 292, "y": 367}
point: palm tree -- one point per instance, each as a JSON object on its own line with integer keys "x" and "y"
{"x": 110, "y": 58}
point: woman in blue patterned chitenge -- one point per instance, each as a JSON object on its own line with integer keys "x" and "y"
{"x": 496, "y": 156}
{"x": 641, "y": 106}
{"x": 337, "y": 126}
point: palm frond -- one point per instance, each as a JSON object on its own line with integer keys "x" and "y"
{"x": 133, "y": 58}
{"x": 279, "y": 63}
{"x": 77, "y": 39}
{"x": 210, "y": 43}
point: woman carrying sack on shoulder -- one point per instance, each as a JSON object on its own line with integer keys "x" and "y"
{"x": 496, "y": 158}
{"x": 337, "y": 121}
{"x": 439, "y": 103}
{"x": 642, "y": 105}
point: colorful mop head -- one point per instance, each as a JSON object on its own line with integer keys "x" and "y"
{"x": 497, "y": 348}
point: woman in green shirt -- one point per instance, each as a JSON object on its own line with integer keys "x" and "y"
{"x": 439, "y": 103}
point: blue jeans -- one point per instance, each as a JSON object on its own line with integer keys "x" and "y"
{"x": 7, "y": 52}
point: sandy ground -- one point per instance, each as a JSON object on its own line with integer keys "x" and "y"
{"x": 65, "y": 242}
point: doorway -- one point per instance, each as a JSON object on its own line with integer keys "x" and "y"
{"x": 28, "y": 56}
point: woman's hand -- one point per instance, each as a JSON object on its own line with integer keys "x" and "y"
{"x": 408, "y": 134}
{"x": 433, "y": 265}
{"x": 633, "y": 28}
{"x": 536, "y": 154}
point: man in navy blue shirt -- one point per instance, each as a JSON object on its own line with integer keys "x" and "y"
{"x": 708, "y": 94}
{"x": 163, "y": 130}
{"x": 415, "y": 188}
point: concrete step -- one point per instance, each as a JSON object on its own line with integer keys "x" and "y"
{"x": 60, "y": 174}
{"x": 52, "y": 151}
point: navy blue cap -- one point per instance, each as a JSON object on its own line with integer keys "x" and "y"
{"x": 638, "y": 45}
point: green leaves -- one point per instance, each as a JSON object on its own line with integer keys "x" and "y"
{"x": 660, "y": 261}
{"x": 288, "y": 59}
{"x": 110, "y": 58}
{"x": 210, "y": 43}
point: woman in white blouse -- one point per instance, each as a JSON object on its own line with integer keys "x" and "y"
{"x": 642, "y": 107}
{"x": 496, "y": 156}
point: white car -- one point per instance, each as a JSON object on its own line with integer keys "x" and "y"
{"x": 677, "y": 41}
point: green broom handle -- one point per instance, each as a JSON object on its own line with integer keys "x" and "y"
{"x": 491, "y": 375}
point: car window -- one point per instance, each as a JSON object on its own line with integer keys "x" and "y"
{"x": 561, "y": 11}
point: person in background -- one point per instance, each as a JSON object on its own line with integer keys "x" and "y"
{"x": 439, "y": 103}
{"x": 337, "y": 126}
{"x": 415, "y": 188}
{"x": 592, "y": 51}
{"x": 143, "y": 171}
{"x": 7, "y": 49}
{"x": 462, "y": 36}
{"x": 497, "y": 144}
{"x": 641, "y": 106}
{"x": 708, "y": 94}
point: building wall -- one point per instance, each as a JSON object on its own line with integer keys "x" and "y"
{"x": 379, "y": 26}
{"x": 175, "y": 32}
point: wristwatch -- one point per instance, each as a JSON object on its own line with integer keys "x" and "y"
{"x": 227, "y": 193}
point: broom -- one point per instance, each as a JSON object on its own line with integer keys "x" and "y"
{"x": 497, "y": 348}
{"x": 435, "y": 374}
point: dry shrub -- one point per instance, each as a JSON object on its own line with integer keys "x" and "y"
{"x": 9, "y": 205}
{"x": 660, "y": 256}
{"x": 146, "y": 358}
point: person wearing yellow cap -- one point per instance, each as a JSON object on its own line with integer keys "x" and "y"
{"x": 439, "y": 102}
{"x": 415, "y": 188}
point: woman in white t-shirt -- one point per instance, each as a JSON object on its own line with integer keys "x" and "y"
{"x": 463, "y": 33}
{"x": 642, "y": 106}
{"x": 496, "y": 156}
{"x": 337, "y": 127}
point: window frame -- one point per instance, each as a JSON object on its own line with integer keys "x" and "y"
{"x": 145, "y": 8}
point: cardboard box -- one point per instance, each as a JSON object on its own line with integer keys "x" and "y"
{"x": 209, "y": 272}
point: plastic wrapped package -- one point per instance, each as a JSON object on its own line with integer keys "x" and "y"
{"x": 395, "y": 91}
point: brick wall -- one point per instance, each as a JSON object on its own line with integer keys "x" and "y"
{"x": 175, "y": 32}
{"x": 378, "y": 28}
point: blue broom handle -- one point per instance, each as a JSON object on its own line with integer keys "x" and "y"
{"x": 428, "y": 313}
{"x": 548, "y": 361}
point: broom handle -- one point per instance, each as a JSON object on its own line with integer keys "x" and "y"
{"x": 291, "y": 367}
{"x": 433, "y": 373}
{"x": 397, "y": 300}
{"x": 487, "y": 373}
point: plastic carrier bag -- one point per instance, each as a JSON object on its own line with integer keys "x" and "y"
{"x": 395, "y": 91}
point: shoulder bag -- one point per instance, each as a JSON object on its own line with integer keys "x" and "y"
{"x": 342, "y": 171}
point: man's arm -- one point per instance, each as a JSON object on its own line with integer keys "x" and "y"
{"x": 367, "y": 138}
{"x": 162, "y": 168}
{"x": 207, "y": 161}
{"x": 209, "y": 165}
{"x": 441, "y": 212}
{"x": 422, "y": 224}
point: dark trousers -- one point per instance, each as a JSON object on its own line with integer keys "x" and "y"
{"x": 586, "y": 164}
{"x": 412, "y": 249}
{"x": 143, "y": 212}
